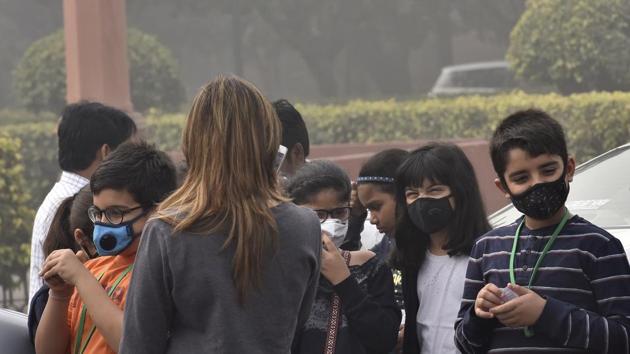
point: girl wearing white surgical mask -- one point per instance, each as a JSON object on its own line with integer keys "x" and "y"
{"x": 354, "y": 309}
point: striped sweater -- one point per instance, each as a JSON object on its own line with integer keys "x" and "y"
{"x": 585, "y": 278}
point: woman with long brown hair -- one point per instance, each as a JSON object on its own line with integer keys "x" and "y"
{"x": 227, "y": 265}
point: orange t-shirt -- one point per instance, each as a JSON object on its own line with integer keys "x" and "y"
{"x": 111, "y": 267}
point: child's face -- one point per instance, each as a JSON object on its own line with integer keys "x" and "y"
{"x": 120, "y": 202}
{"x": 328, "y": 205}
{"x": 524, "y": 171}
{"x": 382, "y": 207}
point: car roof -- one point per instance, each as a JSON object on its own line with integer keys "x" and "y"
{"x": 477, "y": 66}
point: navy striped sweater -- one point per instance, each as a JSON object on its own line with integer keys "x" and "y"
{"x": 585, "y": 278}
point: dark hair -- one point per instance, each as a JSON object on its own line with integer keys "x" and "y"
{"x": 293, "y": 127}
{"x": 315, "y": 177}
{"x": 138, "y": 168}
{"x": 384, "y": 164}
{"x": 72, "y": 214}
{"x": 447, "y": 164}
{"x": 85, "y": 127}
{"x": 532, "y": 130}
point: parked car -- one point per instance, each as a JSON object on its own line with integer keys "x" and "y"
{"x": 483, "y": 78}
{"x": 600, "y": 193}
{"x": 14, "y": 337}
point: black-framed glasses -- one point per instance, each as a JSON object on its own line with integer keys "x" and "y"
{"x": 342, "y": 214}
{"x": 113, "y": 215}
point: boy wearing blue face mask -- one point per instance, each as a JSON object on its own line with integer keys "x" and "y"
{"x": 550, "y": 281}
{"x": 84, "y": 313}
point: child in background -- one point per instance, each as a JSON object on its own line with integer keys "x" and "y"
{"x": 84, "y": 313}
{"x": 356, "y": 282}
{"x": 376, "y": 191}
{"x": 550, "y": 281}
{"x": 70, "y": 228}
{"x": 439, "y": 215}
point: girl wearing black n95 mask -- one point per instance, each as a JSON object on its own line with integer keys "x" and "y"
{"x": 439, "y": 214}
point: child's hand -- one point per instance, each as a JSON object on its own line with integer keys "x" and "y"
{"x": 487, "y": 298}
{"x": 65, "y": 265}
{"x": 522, "y": 311}
{"x": 334, "y": 267}
{"x": 59, "y": 289}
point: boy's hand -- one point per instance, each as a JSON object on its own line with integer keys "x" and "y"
{"x": 522, "y": 311}
{"x": 487, "y": 298}
{"x": 65, "y": 265}
{"x": 333, "y": 266}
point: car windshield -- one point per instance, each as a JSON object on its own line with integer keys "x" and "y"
{"x": 600, "y": 192}
{"x": 490, "y": 77}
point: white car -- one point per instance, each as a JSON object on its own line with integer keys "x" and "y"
{"x": 600, "y": 193}
{"x": 483, "y": 78}
{"x": 14, "y": 338}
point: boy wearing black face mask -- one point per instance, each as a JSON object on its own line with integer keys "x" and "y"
{"x": 550, "y": 281}
{"x": 84, "y": 313}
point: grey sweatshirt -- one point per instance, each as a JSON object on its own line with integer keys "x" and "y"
{"x": 182, "y": 298}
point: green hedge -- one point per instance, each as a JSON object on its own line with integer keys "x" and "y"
{"x": 594, "y": 122}
{"x": 38, "y": 156}
{"x": 16, "y": 218}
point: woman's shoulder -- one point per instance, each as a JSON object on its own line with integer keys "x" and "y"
{"x": 157, "y": 225}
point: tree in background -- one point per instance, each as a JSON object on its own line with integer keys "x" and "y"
{"x": 303, "y": 49}
{"x": 40, "y": 77}
{"x": 15, "y": 220}
{"x": 578, "y": 45}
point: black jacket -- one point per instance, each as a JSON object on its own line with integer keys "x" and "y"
{"x": 411, "y": 344}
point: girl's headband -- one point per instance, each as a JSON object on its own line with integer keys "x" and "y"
{"x": 372, "y": 179}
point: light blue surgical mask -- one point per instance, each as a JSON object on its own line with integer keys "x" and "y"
{"x": 111, "y": 239}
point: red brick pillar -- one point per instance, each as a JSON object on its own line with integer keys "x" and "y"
{"x": 96, "y": 52}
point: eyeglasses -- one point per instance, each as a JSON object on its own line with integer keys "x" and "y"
{"x": 113, "y": 215}
{"x": 342, "y": 214}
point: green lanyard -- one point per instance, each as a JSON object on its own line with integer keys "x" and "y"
{"x": 78, "y": 348}
{"x": 556, "y": 232}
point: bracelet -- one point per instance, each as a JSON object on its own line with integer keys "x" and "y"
{"x": 59, "y": 298}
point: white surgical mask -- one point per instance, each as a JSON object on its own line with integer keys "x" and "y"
{"x": 336, "y": 230}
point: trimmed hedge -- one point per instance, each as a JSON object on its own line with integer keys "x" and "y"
{"x": 594, "y": 122}
{"x": 38, "y": 156}
{"x": 16, "y": 218}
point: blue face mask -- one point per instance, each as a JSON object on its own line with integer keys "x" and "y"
{"x": 111, "y": 239}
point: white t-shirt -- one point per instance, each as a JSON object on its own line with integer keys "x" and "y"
{"x": 440, "y": 290}
{"x": 370, "y": 236}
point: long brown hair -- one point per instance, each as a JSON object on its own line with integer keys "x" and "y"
{"x": 230, "y": 140}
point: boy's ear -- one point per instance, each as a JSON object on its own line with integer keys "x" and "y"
{"x": 497, "y": 182}
{"x": 79, "y": 236}
{"x": 105, "y": 150}
{"x": 297, "y": 153}
{"x": 571, "y": 164}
